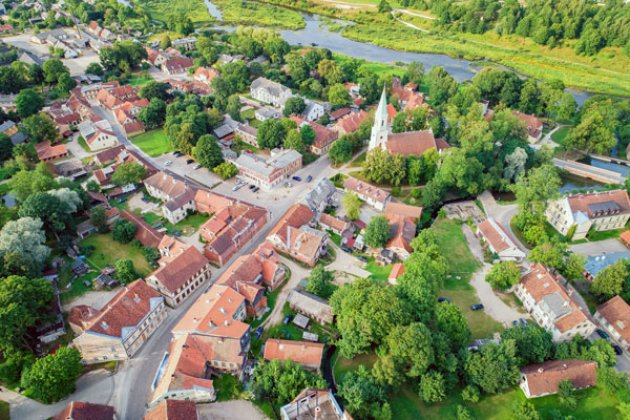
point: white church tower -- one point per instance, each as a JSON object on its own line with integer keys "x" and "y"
{"x": 380, "y": 129}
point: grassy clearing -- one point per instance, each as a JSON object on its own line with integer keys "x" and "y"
{"x": 251, "y": 13}
{"x": 343, "y": 365}
{"x": 379, "y": 272}
{"x": 560, "y": 135}
{"x": 6, "y": 173}
{"x": 594, "y": 235}
{"x": 189, "y": 225}
{"x": 84, "y": 144}
{"x": 162, "y": 9}
{"x": 377, "y": 68}
{"x": 228, "y": 387}
{"x": 461, "y": 261}
{"x": 107, "y": 252}
{"x": 481, "y": 325}
{"x": 140, "y": 79}
{"x": 154, "y": 143}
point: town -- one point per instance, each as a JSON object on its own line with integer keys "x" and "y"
{"x": 203, "y": 222}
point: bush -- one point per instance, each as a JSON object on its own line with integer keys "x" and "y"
{"x": 124, "y": 231}
{"x": 471, "y": 393}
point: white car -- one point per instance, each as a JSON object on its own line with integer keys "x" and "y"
{"x": 168, "y": 163}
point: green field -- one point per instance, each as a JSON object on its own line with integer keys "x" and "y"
{"x": 560, "y": 134}
{"x": 107, "y": 252}
{"x": 154, "y": 143}
{"x": 251, "y": 13}
{"x": 162, "y": 9}
{"x": 461, "y": 261}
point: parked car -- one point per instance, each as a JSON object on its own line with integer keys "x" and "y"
{"x": 309, "y": 178}
{"x": 287, "y": 319}
{"x": 296, "y": 178}
{"x": 259, "y": 332}
{"x": 197, "y": 166}
{"x": 189, "y": 161}
{"x": 252, "y": 186}
{"x": 523, "y": 321}
{"x": 168, "y": 163}
{"x": 177, "y": 153}
{"x": 249, "y": 151}
{"x": 362, "y": 258}
{"x": 255, "y": 189}
{"x": 602, "y": 333}
{"x": 618, "y": 350}
{"x": 177, "y": 233}
{"x": 345, "y": 248}
{"x": 443, "y": 299}
{"x": 237, "y": 187}
{"x": 476, "y": 307}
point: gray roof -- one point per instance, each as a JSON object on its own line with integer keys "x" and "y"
{"x": 274, "y": 88}
{"x": 8, "y": 124}
{"x": 245, "y": 128}
{"x": 266, "y": 167}
{"x": 18, "y": 138}
{"x": 321, "y": 194}
{"x": 596, "y": 263}
{"x": 267, "y": 112}
{"x": 555, "y": 305}
{"x": 222, "y": 131}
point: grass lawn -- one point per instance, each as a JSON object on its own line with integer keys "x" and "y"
{"x": 481, "y": 325}
{"x": 461, "y": 261}
{"x": 6, "y": 172}
{"x": 228, "y": 387}
{"x": 252, "y": 13}
{"x": 107, "y": 252}
{"x": 379, "y": 272}
{"x": 162, "y": 9}
{"x": 84, "y": 144}
{"x": 189, "y": 225}
{"x": 4, "y": 410}
{"x": 154, "y": 143}
{"x": 4, "y": 188}
{"x": 358, "y": 161}
{"x": 139, "y": 80}
{"x": 249, "y": 114}
{"x": 594, "y": 235}
{"x": 559, "y": 135}
{"x": 239, "y": 146}
{"x": 78, "y": 286}
{"x": 343, "y": 365}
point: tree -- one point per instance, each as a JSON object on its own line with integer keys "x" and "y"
{"x": 524, "y": 410}
{"x": 308, "y": 134}
{"x": 24, "y": 302}
{"x": 125, "y": 271}
{"x": 155, "y": 90}
{"x": 128, "y": 173}
{"x": 208, "y": 152}
{"x": 95, "y": 68}
{"x": 233, "y": 107}
{"x": 533, "y": 344}
{"x": 610, "y": 281}
{"x": 53, "y": 69}
{"x": 54, "y": 210}
{"x": 54, "y": 376}
{"x": 271, "y": 134}
{"x": 361, "y": 392}
{"x": 415, "y": 72}
{"x": 338, "y": 95}
{"x": 591, "y": 135}
{"x": 98, "y": 217}
{"x": 40, "y": 127}
{"x": 25, "y": 182}
{"x": 352, "y": 205}
{"x": 624, "y": 411}
{"x": 384, "y": 7}
{"x": 341, "y": 151}
{"x": 124, "y": 231}
{"x": 25, "y": 240}
{"x": 330, "y": 71}
{"x": 294, "y": 141}
{"x": 503, "y": 275}
{"x": 320, "y": 282}
{"x": 226, "y": 170}
{"x": 28, "y": 102}
{"x": 377, "y": 232}
{"x": 153, "y": 115}
{"x": 281, "y": 381}
{"x": 451, "y": 321}
{"x": 432, "y": 387}
{"x": 441, "y": 86}
{"x": 494, "y": 368}
{"x": 566, "y": 394}
{"x": 463, "y": 413}
{"x": 294, "y": 106}
{"x": 65, "y": 83}
{"x": 471, "y": 393}
{"x": 165, "y": 42}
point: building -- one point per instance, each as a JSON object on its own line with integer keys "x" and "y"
{"x": 533, "y": 124}
{"x": 47, "y": 152}
{"x": 351, "y": 122}
{"x": 614, "y": 317}
{"x": 117, "y": 331}
{"x": 269, "y": 173}
{"x": 146, "y": 234}
{"x": 265, "y": 113}
{"x": 178, "y": 197}
{"x": 311, "y": 306}
{"x": 322, "y": 196}
{"x": 176, "y": 65}
{"x": 625, "y": 237}
{"x": 552, "y": 305}
{"x": 596, "y": 263}
{"x": 402, "y": 223}
{"x": 173, "y": 410}
{"x": 398, "y": 270}
{"x": 71, "y": 168}
{"x": 293, "y": 236}
{"x": 79, "y": 410}
{"x": 205, "y": 74}
{"x": 247, "y": 134}
{"x": 334, "y": 224}
{"x": 98, "y": 135}
{"x": 8, "y": 128}
{"x": 544, "y": 379}
{"x": 372, "y": 195}
{"x": 575, "y": 215}
{"x": 411, "y": 143}
{"x": 314, "y": 110}
{"x": 498, "y": 241}
{"x": 305, "y": 353}
{"x": 181, "y": 276}
{"x": 270, "y": 92}
{"x": 324, "y": 136}
{"x": 314, "y": 404}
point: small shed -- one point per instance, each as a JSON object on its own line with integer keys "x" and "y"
{"x": 300, "y": 321}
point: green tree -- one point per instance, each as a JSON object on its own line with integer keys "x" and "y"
{"x": 53, "y": 377}
{"x": 208, "y": 152}
{"x": 533, "y": 344}
{"x": 123, "y": 231}
{"x": 463, "y": 413}
{"x": 432, "y": 387}
{"x": 226, "y": 170}
{"x": 155, "y": 90}
{"x": 338, "y": 95}
{"x": 98, "y": 218}
{"x": 591, "y": 135}
{"x": 24, "y": 241}
{"x": 330, "y": 71}
{"x": 125, "y": 271}
{"x": 281, "y": 381}
{"x": 128, "y": 173}
{"x": 320, "y": 282}
{"x": 294, "y": 106}
{"x": 503, "y": 275}
{"x": 95, "y": 69}
{"x": 25, "y": 182}
{"x": 28, "y": 102}
{"x": 451, "y": 321}
{"x": 153, "y": 115}
{"x": 40, "y": 127}
{"x": 352, "y": 205}
{"x": 524, "y": 410}
{"x": 53, "y": 208}
{"x": 271, "y": 134}
{"x": 471, "y": 393}
{"x": 550, "y": 254}
{"x": 294, "y": 141}
{"x": 494, "y": 368}
{"x": 361, "y": 392}
{"x": 414, "y": 72}
{"x": 165, "y": 42}
{"x": 566, "y": 394}
{"x": 233, "y": 107}
{"x": 610, "y": 281}
{"x": 341, "y": 151}
{"x": 308, "y": 134}
{"x": 441, "y": 86}
{"x": 377, "y": 232}
{"x": 53, "y": 69}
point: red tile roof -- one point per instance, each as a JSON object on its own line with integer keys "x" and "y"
{"x": 351, "y": 122}
{"x": 617, "y": 312}
{"x": 404, "y": 210}
{"x": 625, "y": 237}
{"x": 397, "y": 270}
{"x": 584, "y": 202}
{"x": 146, "y": 234}
{"x": 365, "y": 189}
{"x": 173, "y": 410}
{"x": 496, "y": 236}
{"x": 302, "y": 352}
{"x": 46, "y": 151}
{"x": 79, "y": 410}
{"x": 181, "y": 269}
{"x": 411, "y": 143}
{"x": 544, "y": 378}
{"x": 297, "y": 216}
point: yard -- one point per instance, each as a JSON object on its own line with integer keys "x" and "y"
{"x": 461, "y": 261}
{"x": 4, "y": 410}
{"x": 560, "y": 135}
{"x": 107, "y": 252}
{"x": 379, "y": 272}
{"x": 154, "y": 143}
{"x": 189, "y": 225}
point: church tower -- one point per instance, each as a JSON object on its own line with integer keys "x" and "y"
{"x": 380, "y": 129}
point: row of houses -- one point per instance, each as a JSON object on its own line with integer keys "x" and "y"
{"x": 170, "y": 61}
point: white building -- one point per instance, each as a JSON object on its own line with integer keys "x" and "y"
{"x": 268, "y": 173}
{"x": 271, "y": 92}
{"x": 498, "y": 241}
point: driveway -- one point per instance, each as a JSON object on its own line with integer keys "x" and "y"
{"x": 493, "y": 305}
{"x": 347, "y": 263}
{"x": 297, "y": 273}
{"x": 75, "y": 148}
{"x": 96, "y": 299}
{"x": 599, "y": 247}
{"x": 179, "y": 166}
{"x": 230, "y": 410}
{"x": 502, "y": 215}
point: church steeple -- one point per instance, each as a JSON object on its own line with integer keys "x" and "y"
{"x": 381, "y": 112}
{"x": 380, "y": 129}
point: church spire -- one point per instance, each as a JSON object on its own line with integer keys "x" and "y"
{"x": 380, "y": 129}
{"x": 381, "y": 115}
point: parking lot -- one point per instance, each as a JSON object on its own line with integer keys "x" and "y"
{"x": 180, "y": 166}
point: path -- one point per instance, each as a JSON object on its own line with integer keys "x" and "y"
{"x": 496, "y": 308}
{"x": 347, "y": 263}
{"x": 599, "y": 247}
{"x": 547, "y": 140}
{"x": 410, "y": 25}
{"x": 297, "y": 273}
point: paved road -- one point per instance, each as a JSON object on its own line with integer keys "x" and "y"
{"x": 297, "y": 273}
{"x": 599, "y": 247}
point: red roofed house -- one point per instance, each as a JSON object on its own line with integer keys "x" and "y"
{"x": 334, "y": 224}
{"x": 205, "y": 74}
{"x": 533, "y": 124}
{"x": 322, "y": 402}
{"x": 552, "y": 305}
{"x": 614, "y": 317}
{"x": 47, "y": 152}
{"x": 498, "y": 241}
{"x": 306, "y": 353}
{"x": 351, "y": 122}
{"x": 292, "y": 236}
{"x": 544, "y": 378}
{"x": 146, "y": 234}
{"x": 324, "y": 136}
{"x": 173, "y": 410}
{"x": 625, "y": 237}
{"x": 117, "y": 331}
{"x": 397, "y": 270}
{"x": 176, "y": 65}
{"x": 181, "y": 276}
{"x": 402, "y": 222}
{"x": 114, "y": 98}
{"x": 79, "y": 410}
{"x": 178, "y": 197}
{"x": 372, "y": 195}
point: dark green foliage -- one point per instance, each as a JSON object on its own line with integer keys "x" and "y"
{"x": 123, "y": 231}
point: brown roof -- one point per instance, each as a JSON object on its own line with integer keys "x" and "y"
{"x": 625, "y": 237}
{"x": 302, "y": 352}
{"x": 173, "y": 410}
{"x": 617, "y": 312}
{"x": 341, "y": 112}
{"x": 333, "y": 222}
{"x": 109, "y": 155}
{"x": 544, "y": 378}
{"x": 127, "y": 309}
{"x": 47, "y": 151}
{"x": 498, "y": 239}
{"x": 397, "y": 270}
{"x": 298, "y": 215}
{"x": 146, "y": 234}
{"x": 166, "y": 184}
{"x": 352, "y": 121}
{"x": 179, "y": 270}
{"x": 79, "y": 410}
{"x": 595, "y": 204}
{"x": 404, "y": 210}
{"x": 532, "y": 123}
{"x": 363, "y": 188}
{"x": 411, "y": 143}
{"x": 323, "y": 135}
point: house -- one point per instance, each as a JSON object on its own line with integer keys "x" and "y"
{"x": 397, "y": 270}
{"x": 304, "y": 353}
{"x": 247, "y": 134}
{"x": 78, "y": 410}
{"x": 372, "y": 195}
{"x": 544, "y": 379}
{"x": 71, "y": 168}
{"x": 117, "y": 331}
{"x": 312, "y": 404}
{"x": 292, "y": 236}
{"x": 186, "y": 375}
{"x": 173, "y": 410}
{"x": 408, "y": 96}
{"x": 224, "y": 134}
{"x": 178, "y": 197}
{"x": 268, "y": 173}
{"x": 265, "y": 113}
{"x": 596, "y": 263}
{"x": 311, "y": 306}
{"x": 98, "y": 135}
{"x": 146, "y": 234}
{"x": 614, "y": 316}
{"x": 498, "y": 241}
{"x": 176, "y": 65}
{"x": 181, "y": 276}
{"x": 270, "y": 92}
{"x": 47, "y": 152}
{"x": 322, "y": 196}
{"x": 186, "y": 43}
{"x": 8, "y": 128}
{"x": 402, "y": 223}
{"x": 339, "y": 113}
{"x": 113, "y": 98}
{"x": 314, "y": 110}
{"x": 85, "y": 229}
{"x": 533, "y": 124}
{"x": 169, "y": 248}
{"x": 552, "y": 305}
{"x": 351, "y": 122}
{"x": 205, "y": 74}
{"x": 324, "y": 137}
{"x": 334, "y": 224}
{"x": 575, "y": 215}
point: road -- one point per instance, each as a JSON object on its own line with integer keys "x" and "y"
{"x": 297, "y": 273}
{"x": 599, "y": 247}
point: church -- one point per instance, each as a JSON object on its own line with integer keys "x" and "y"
{"x": 411, "y": 143}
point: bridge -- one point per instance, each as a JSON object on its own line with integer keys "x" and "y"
{"x": 590, "y": 172}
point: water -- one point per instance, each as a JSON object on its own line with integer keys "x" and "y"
{"x": 572, "y": 183}
{"x": 620, "y": 169}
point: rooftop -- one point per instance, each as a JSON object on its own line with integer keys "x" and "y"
{"x": 302, "y": 352}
